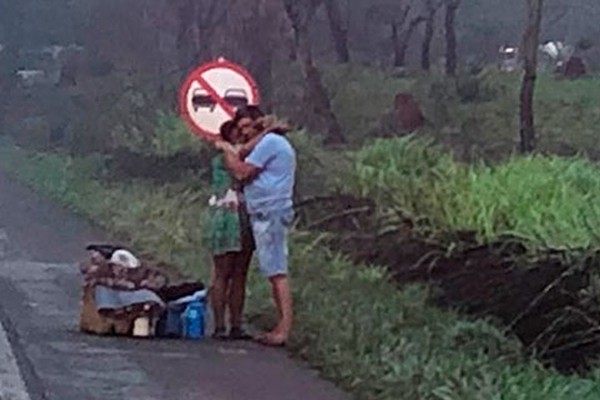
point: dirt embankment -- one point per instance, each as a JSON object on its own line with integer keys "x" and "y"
{"x": 549, "y": 299}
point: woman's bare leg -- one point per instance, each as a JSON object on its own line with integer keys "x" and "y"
{"x": 222, "y": 271}
{"x": 237, "y": 296}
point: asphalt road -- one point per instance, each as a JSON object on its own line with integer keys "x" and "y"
{"x": 43, "y": 356}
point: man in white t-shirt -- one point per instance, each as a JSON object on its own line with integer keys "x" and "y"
{"x": 268, "y": 174}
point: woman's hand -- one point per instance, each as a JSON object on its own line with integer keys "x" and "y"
{"x": 271, "y": 123}
{"x": 222, "y": 145}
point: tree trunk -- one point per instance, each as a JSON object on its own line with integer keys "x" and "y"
{"x": 319, "y": 99}
{"x": 530, "y": 49}
{"x": 261, "y": 67}
{"x": 197, "y": 22}
{"x": 316, "y": 95}
{"x": 401, "y": 41}
{"x": 400, "y": 48}
{"x": 253, "y": 28}
{"x": 338, "y": 31}
{"x": 428, "y": 35}
{"x": 398, "y": 57}
{"x": 451, "y": 57}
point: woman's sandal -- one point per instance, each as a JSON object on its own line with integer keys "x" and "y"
{"x": 239, "y": 334}
{"x": 220, "y": 334}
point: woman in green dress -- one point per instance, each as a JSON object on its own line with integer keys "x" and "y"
{"x": 231, "y": 243}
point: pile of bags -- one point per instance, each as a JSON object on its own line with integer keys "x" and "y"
{"x": 125, "y": 296}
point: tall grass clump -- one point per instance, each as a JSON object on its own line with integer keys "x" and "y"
{"x": 549, "y": 201}
{"x": 318, "y": 169}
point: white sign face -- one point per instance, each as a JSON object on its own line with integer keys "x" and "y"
{"x": 212, "y": 93}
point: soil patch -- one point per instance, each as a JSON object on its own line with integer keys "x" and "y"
{"x": 549, "y": 300}
{"x": 546, "y": 300}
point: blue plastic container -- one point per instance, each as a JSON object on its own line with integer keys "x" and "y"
{"x": 193, "y": 319}
{"x": 182, "y": 321}
{"x": 171, "y": 323}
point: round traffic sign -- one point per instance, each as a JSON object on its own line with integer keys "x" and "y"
{"x": 212, "y": 93}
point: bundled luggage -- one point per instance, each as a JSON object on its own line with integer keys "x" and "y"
{"x": 122, "y": 295}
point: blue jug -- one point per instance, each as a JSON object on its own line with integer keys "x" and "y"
{"x": 193, "y": 319}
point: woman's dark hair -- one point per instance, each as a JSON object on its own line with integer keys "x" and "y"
{"x": 226, "y": 130}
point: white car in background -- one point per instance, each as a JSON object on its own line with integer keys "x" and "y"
{"x": 31, "y": 77}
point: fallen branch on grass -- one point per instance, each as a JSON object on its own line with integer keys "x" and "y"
{"x": 340, "y": 215}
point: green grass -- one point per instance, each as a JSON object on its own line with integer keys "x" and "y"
{"x": 585, "y": 91}
{"x": 550, "y": 201}
{"x": 358, "y": 329}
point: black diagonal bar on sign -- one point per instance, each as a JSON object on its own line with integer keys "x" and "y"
{"x": 215, "y": 96}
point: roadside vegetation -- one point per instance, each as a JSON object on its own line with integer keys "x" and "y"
{"x": 441, "y": 265}
{"x": 356, "y": 326}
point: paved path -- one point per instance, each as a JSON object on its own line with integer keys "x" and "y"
{"x": 42, "y": 356}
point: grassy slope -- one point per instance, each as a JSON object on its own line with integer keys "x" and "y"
{"x": 360, "y": 331}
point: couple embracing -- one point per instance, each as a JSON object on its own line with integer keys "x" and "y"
{"x": 251, "y": 210}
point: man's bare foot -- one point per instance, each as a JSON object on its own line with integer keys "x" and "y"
{"x": 272, "y": 339}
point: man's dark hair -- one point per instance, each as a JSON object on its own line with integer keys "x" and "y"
{"x": 252, "y": 112}
{"x": 226, "y": 130}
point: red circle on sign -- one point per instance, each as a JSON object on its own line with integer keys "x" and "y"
{"x": 197, "y": 76}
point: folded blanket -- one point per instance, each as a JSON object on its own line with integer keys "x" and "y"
{"x": 99, "y": 271}
{"x": 112, "y": 299}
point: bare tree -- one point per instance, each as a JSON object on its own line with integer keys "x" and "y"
{"x": 256, "y": 34}
{"x": 530, "y": 50}
{"x": 450, "y": 25}
{"x": 339, "y": 30}
{"x": 300, "y": 13}
{"x": 431, "y": 9}
{"x": 403, "y": 39}
{"x": 402, "y": 21}
{"x": 11, "y": 34}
